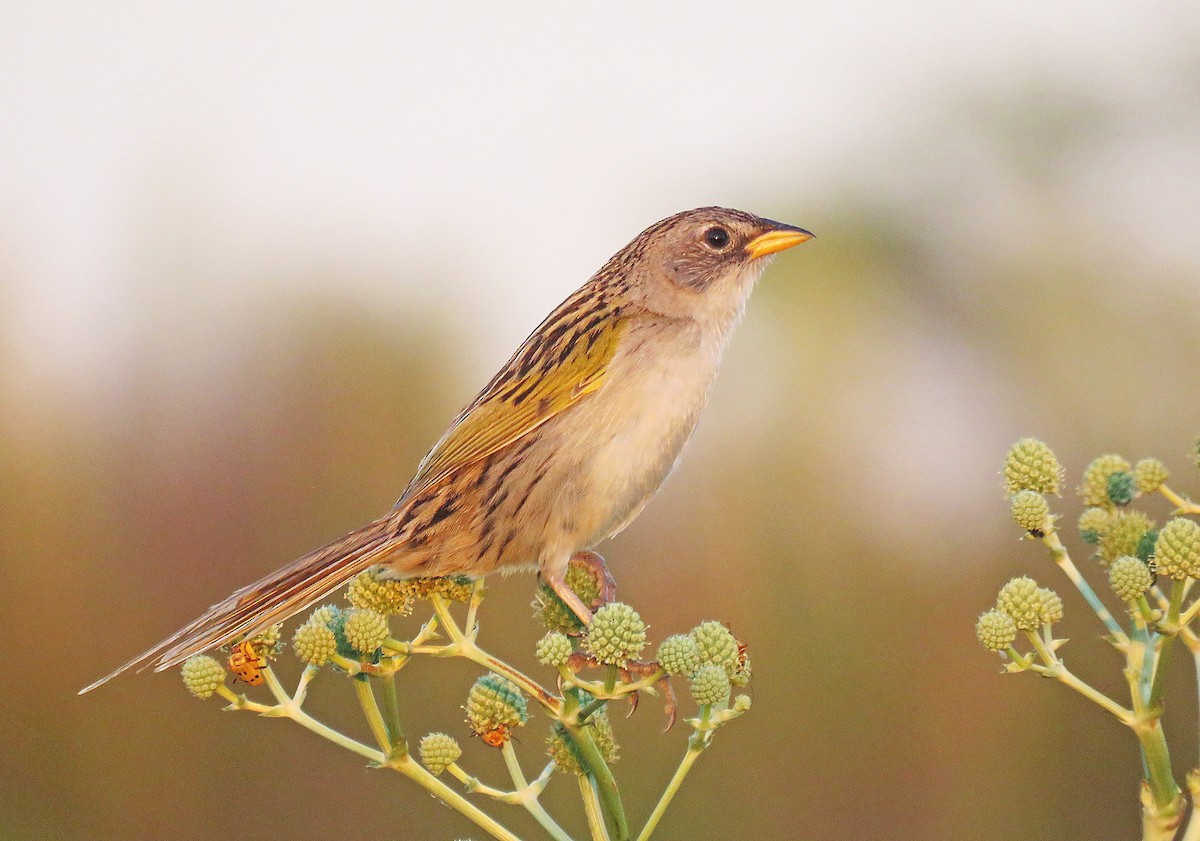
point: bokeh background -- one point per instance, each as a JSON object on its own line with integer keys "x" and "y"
{"x": 253, "y": 258}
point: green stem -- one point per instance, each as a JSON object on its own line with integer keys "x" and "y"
{"x": 370, "y": 708}
{"x": 1158, "y": 765}
{"x": 391, "y": 705}
{"x": 412, "y": 769}
{"x": 1162, "y": 656}
{"x": 288, "y": 708}
{"x": 606, "y": 786}
{"x": 1063, "y": 559}
{"x": 530, "y": 798}
{"x": 1182, "y": 504}
{"x": 696, "y": 745}
{"x": 591, "y": 808}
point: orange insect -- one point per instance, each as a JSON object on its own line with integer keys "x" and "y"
{"x": 247, "y": 664}
{"x": 496, "y": 738}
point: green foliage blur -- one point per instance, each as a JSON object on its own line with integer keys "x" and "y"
{"x": 840, "y": 508}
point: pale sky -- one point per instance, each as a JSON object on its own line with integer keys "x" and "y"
{"x": 189, "y": 166}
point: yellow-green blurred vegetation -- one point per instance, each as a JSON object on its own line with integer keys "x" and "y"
{"x": 840, "y": 508}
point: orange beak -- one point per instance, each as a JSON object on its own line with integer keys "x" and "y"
{"x": 776, "y": 240}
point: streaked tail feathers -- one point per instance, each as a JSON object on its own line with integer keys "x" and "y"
{"x": 272, "y": 599}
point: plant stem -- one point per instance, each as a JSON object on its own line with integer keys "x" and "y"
{"x": 601, "y": 774}
{"x": 410, "y": 768}
{"x": 391, "y": 705}
{"x": 1184, "y": 505}
{"x": 697, "y": 742}
{"x": 529, "y": 797}
{"x": 1063, "y": 559}
{"x": 591, "y": 807}
{"x": 1162, "y": 656}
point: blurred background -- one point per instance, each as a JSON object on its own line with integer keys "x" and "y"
{"x": 254, "y": 258}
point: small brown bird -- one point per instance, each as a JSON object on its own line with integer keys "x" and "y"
{"x": 565, "y": 445}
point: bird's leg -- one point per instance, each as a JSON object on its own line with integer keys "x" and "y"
{"x": 594, "y": 565}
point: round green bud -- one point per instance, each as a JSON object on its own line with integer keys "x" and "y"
{"x": 1093, "y": 523}
{"x": 1052, "y": 605}
{"x": 455, "y": 588}
{"x": 742, "y": 703}
{"x": 679, "y": 655}
{"x": 439, "y": 752}
{"x": 1129, "y": 577}
{"x": 1030, "y": 511}
{"x": 716, "y": 645}
{"x": 1150, "y": 475}
{"x": 1177, "y": 550}
{"x": 203, "y": 675}
{"x": 554, "y": 612}
{"x": 370, "y": 591}
{"x": 617, "y": 634}
{"x": 1145, "y": 547}
{"x": 1126, "y": 528}
{"x": 1031, "y": 466}
{"x": 554, "y": 649}
{"x": 996, "y": 630}
{"x": 494, "y": 706}
{"x": 1121, "y": 488}
{"x": 1094, "y": 488}
{"x": 314, "y": 642}
{"x": 1019, "y": 599}
{"x": 327, "y": 614}
{"x": 365, "y": 630}
{"x": 710, "y": 684}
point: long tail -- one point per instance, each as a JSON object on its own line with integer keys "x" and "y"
{"x": 272, "y": 599}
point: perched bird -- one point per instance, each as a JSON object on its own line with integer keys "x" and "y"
{"x": 565, "y": 445}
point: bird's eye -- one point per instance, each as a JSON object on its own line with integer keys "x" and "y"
{"x": 716, "y": 238}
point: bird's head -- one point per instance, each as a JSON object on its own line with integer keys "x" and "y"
{"x": 702, "y": 263}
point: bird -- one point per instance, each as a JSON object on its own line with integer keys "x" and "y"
{"x": 562, "y": 448}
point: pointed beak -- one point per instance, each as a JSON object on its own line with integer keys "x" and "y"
{"x": 778, "y": 238}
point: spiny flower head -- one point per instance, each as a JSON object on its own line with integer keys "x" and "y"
{"x": 617, "y": 634}
{"x": 554, "y": 613}
{"x": 269, "y": 641}
{"x": 716, "y": 645}
{"x": 314, "y": 641}
{"x": 370, "y": 591}
{"x": 1019, "y": 599}
{"x": 554, "y": 649}
{"x": 1030, "y": 511}
{"x": 438, "y": 752}
{"x": 1121, "y": 487}
{"x": 679, "y": 655}
{"x": 1094, "y": 488}
{"x": 1031, "y": 466}
{"x": 1052, "y": 604}
{"x": 996, "y": 630}
{"x": 1129, "y": 577}
{"x": 1093, "y": 523}
{"x": 365, "y": 630}
{"x": 495, "y": 705}
{"x": 1150, "y": 475}
{"x": 203, "y": 675}
{"x": 710, "y": 684}
{"x": 1177, "y": 550}
{"x": 1125, "y": 530}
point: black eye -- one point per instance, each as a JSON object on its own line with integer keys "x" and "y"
{"x": 717, "y": 238}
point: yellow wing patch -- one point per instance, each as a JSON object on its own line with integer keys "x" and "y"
{"x": 513, "y": 405}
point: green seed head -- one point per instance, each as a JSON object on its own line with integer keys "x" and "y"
{"x": 1052, "y": 605}
{"x": 495, "y": 705}
{"x": 996, "y": 630}
{"x": 369, "y": 591}
{"x": 617, "y": 634}
{"x": 1126, "y": 528}
{"x": 438, "y": 752}
{"x": 313, "y": 641}
{"x": 716, "y": 645}
{"x": 1121, "y": 488}
{"x": 1019, "y": 599}
{"x": 1129, "y": 577}
{"x": 679, "y": 655}
{"x": 1094, "y": 488}
{"x": 1177, "y": 550}
{"x": 710, "y": 684}
{"x": 1145, "y": 547}
{"x": 554, "y": 649}
{"x": 1150, "y": 475}
{"x": 365, "y": 630}
{"x": 554, "y": 613}
{"x": 1031, "y": 512}
{"x": 1031, "y": 466}
{"x": 1093, "y": 523}
{"x": 203, "y": 675}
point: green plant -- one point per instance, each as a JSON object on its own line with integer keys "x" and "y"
{"x": 1153, "y": 570}
{"x": 357, "y": 643}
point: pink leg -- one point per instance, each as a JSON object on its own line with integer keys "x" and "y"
{"x": 594, "y": 564}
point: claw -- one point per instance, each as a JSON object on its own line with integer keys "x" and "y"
{"x": 593, "y": 563}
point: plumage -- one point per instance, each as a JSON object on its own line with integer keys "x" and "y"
{"x": 563, "y": 447}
